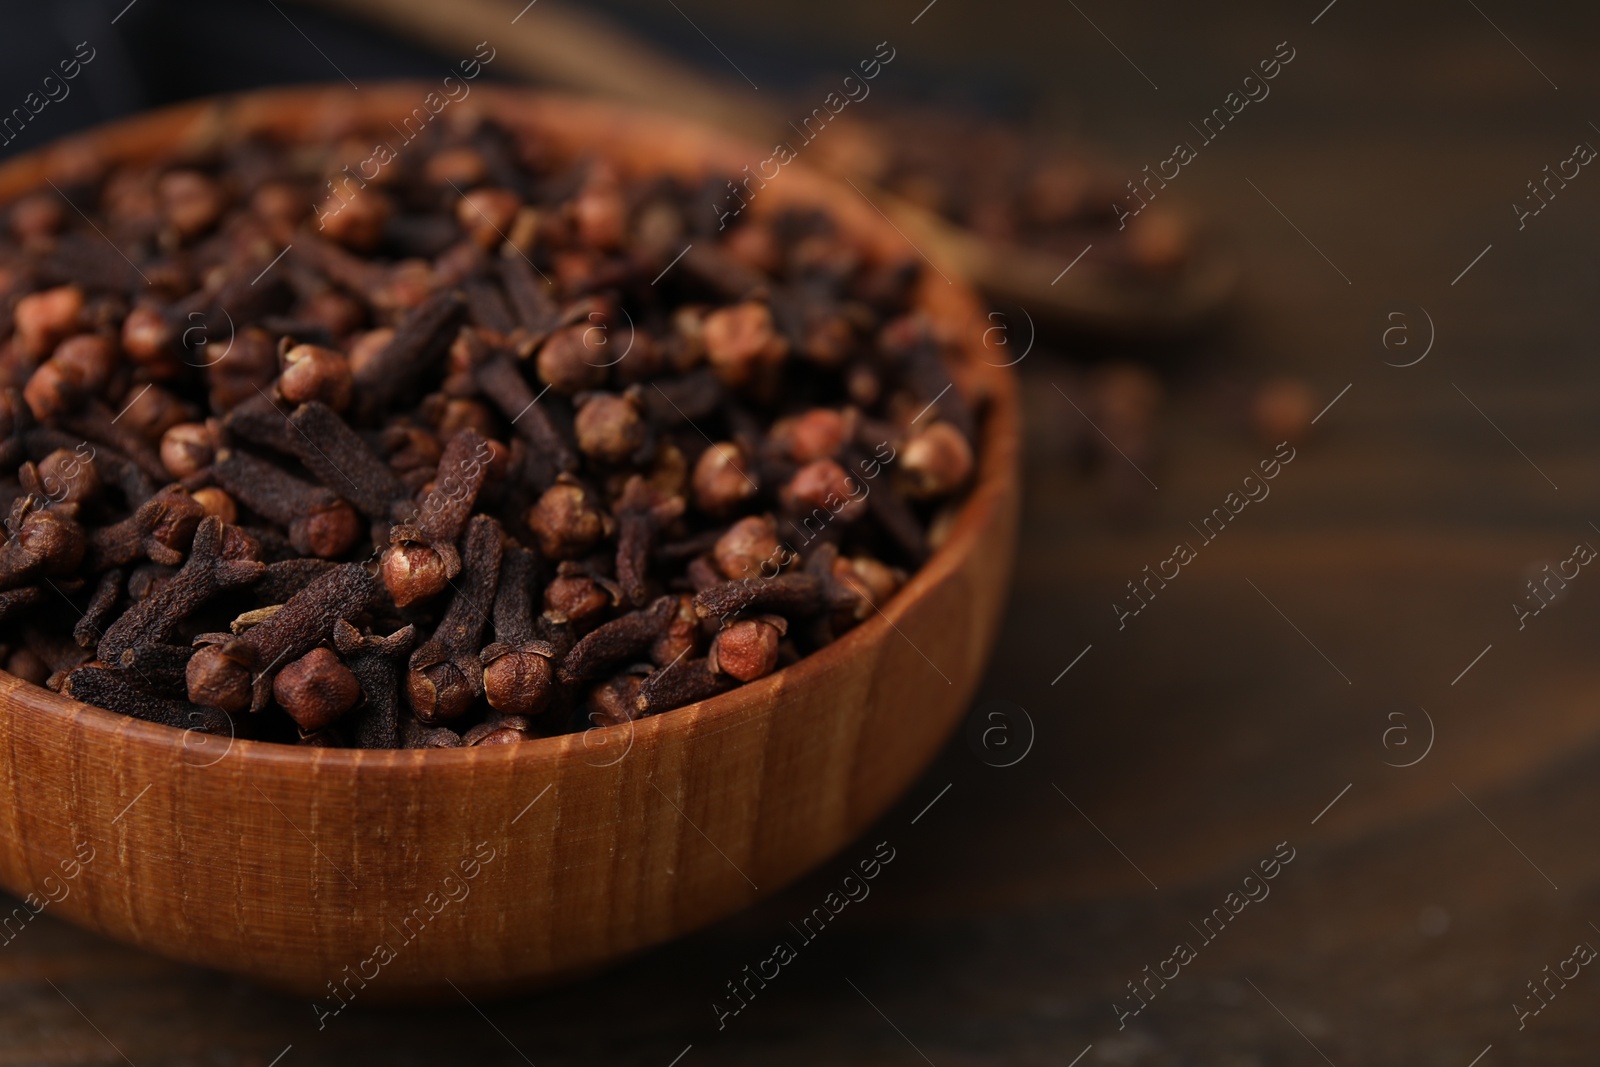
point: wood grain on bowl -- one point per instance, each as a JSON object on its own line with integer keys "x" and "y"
{"x": 389, "y": 873}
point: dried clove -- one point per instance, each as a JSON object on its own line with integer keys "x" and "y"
{"x": 500, "y": 730}
{"x": 221, "y": 557}
{"x": 160, "y": 531}
{"x": 446, "y": 674}
{"x": 119, "y": 691}
{"x": 747, "y": 649}
{"x": 641, "y": 513}
{"x": 236, "y": 673}
{"x": 415, "y": 735}
{"x": 568, "y": 519}
{"x": 499, "y": 379}
{"x": 113, "y": 467}
{"x": 320, "y": 523}
{"x": 789, "y": 595}
{"x": 316, "y": 689}
{"x": 536, "y": 312}
{"x": 342, "y": 462}
{"x": 498, "y": 363}
{"x": 685, "y": 682}
{"x": 518, "y": 678}
{"x": 44, "y": 542}
{"x": 97, "y": 614}
{"x": 617, "y": 642}
{"x": 420, "y": 338}
{"x": 284, "y": 579}
{"x": 375, "y": 661}
{"x": 422, "y": 558}
{"x": 97, "y": 423}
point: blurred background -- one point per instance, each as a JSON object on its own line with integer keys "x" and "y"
{"x": 1339, "y": 676}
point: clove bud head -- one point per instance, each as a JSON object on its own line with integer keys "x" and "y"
{"x": 508, "y": 730}
{"x": 747, "y": 649}
{"x": 518, "y": 681}
{"x": 69, "y": 477}
{"x": 50, "y": 542}
{"x": 187, "y": 449}
{"x": 80, "y": 367}
{"x": 327, "y": 533}
{"x": 311, "y": 372}
{"x": 742, "y": 343}
{"x": 825, "y": 484}
{"x": 934, "y": 462}
{"x": 568, "y": 521}
{"x": 147, "y": 337}
{"x": 864, "y": 585}
{"x": 723, "y": 479}
{"x": 44, "y": 318}
{"x": 572, "y": 359}
{"x": 575, "y": 598}
{"x": 609, "y": 427}
{"x": 217, "y": 502}
{"x": 746, "y": 546}
{"x": 614, "y": 702}
{"x": 439, "y": 692}
{"x": 414, "y": 571}
{"x": 812, "y": 435}
{"x": 681, "y": 637}
{"x": 316, "y": 689}
{"x": 219, "y": 678}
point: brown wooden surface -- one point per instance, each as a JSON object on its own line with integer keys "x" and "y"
{"x": 1210, "y": 730}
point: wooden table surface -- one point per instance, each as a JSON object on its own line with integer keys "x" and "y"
{"x": 1261, "y": 698}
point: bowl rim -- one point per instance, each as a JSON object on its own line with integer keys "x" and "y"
{"x": 998, "y": 449}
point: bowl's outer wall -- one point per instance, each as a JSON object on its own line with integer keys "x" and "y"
{"x": 504, "y": 866}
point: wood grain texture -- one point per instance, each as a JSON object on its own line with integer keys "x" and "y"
{"x": 510, "y": 865}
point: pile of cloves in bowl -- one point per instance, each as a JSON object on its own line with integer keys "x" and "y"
{"x": 469, "y": 451}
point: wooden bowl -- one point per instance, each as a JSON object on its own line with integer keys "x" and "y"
{"x": 508, "y": 866}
